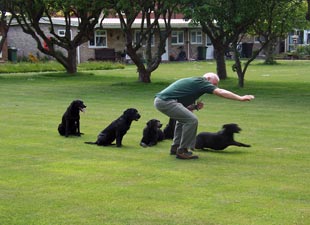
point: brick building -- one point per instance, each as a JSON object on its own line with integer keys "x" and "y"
{"x": 184, "y": 37}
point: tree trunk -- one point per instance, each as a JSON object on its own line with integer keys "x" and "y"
{"x": 69, "y": 62}
{"x": 5, "y": 28}
{"x": 237, "y": 67}
{"x": 220, "y": 62}
{"x": 145, "y": 76}
{"x": 269, "y": 52}
{"x": 240, "y": 79}
{"x": 72, "y": 62}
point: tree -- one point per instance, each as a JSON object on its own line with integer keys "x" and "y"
{"x": 278, "y": 18}
{"x": 308, "y": 11}
{"x": 29, "y": 14}
{"x": 237, "y": 67}
{"x": 149, "y": 13}
{"x": 223, "y": 21}
{"x": 274, "y": 22}
{"x": 4, "y": 22}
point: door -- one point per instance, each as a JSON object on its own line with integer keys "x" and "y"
{"x": 210, "y": 49}
{"x": 165, "y": 56}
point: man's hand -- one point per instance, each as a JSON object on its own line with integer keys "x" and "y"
{"x": 199, "y": 105}
{"x": 247, "y": 97}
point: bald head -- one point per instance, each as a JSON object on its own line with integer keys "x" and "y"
{"x": 212, "y": 78}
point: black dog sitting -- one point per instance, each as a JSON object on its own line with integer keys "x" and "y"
{"x": 219, "y": 140}
{"x": 70, "y": 123}
{"x": 152, "y": 133}
{"x": 169, "y": 129}
{"x": 117, "y": 129}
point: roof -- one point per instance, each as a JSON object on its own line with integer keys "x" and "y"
{"x": 114, "y": 23}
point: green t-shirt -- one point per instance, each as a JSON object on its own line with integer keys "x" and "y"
{"x": 187, "y": 90}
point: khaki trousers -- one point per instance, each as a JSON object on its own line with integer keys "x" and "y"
{"x": 187, "y": 122}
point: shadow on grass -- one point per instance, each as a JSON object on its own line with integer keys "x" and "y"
{"x": 65, "y": 75}
{"x": 237, "y": 152}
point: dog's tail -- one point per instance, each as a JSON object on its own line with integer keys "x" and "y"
{"x": 90, "y": 143}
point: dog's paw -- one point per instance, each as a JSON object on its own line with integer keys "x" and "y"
{"x": 143, "y": 144}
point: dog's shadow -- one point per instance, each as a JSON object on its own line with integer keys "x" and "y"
{"x": 236, "y": 152}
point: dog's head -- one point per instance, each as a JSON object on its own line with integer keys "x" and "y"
{"x": 132, "y": 114}
{"x": 78, "y": 104}
{"x": 231, "y": 128}
{"x": 154, "y": 124}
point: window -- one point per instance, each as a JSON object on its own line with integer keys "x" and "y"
{"x": 99, "y": 39}
{"x": 177, "y": 37}
{"x": 196, "y": 37}
{"x": 62, "y": 33}
{"x": 138, "y": 36}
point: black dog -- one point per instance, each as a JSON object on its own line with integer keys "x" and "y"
{"x": 70, "y": 123}
{"x": 219, "y": 140}
{"x": 152, "y": 133}
{"x": 117, "y": 129}
{"x": 169, "y": 129}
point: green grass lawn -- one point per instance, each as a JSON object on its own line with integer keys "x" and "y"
{"x": 49, "y": 179}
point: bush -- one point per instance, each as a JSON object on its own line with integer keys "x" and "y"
{"x": 303, "y": 50}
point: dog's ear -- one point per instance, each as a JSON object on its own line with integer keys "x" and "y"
{"x": 126, "y": 113}
{"x": 71, "y": 105}
{"x": 152, "y": 123}
{"x": 232, "y": 128}
{"x": 225, "y": 126}
{"x": 229, "y": 128}
{"x": 130, "y": 111}
{"x": 235, "y": 127}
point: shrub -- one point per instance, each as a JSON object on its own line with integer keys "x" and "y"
{"x": 303, "y": 50}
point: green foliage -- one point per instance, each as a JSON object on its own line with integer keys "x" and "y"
{"x": 49, "y": 179}
{"x": 303, "y": 50}
{"x": 226, "y": 16}
{"x": 224, "y": 22}
{"x": 277, "y": 18}
{"x": 149, "y": 13}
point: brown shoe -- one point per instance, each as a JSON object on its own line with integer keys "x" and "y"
{"x": 173, "y": 149}
{"x": 185, "y": 154}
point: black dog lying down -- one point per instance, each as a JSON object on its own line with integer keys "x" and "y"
{"x": 169, "y": 129}
{"x": 219, "y": 140}
{"x": 70, "y": 123}
{"x": 152, "y": 133}
{"x": 117, "y": 129}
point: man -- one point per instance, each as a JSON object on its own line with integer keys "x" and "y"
{"x": 178, "y": 101}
